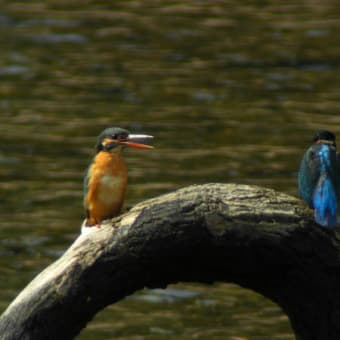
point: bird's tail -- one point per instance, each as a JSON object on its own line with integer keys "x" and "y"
{"x": 325, "y": 196}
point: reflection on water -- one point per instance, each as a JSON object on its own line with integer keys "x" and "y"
{"x": 231, "y": 90}
{"x": 192, "y": 311}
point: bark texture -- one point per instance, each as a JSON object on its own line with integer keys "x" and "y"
{"x": 258, "y": 238}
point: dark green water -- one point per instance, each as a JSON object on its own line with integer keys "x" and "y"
{"x": 232, "y": 92}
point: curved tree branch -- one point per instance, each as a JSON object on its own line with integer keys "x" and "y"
{"x": 255, "y": 237}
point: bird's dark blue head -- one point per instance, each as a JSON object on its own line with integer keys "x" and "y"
{"x": 324, "y": 137}
{"x": 114, "y": 138}
{"x": 110, "y": 137}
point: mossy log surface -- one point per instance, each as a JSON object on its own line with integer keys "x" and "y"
{"x": 255, "y": 237}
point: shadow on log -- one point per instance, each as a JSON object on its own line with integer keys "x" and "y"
{"x": 255, "y": 237}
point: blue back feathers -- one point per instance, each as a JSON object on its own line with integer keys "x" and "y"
{"x": 325, "y": 200}
{"x": 319, "y": 182}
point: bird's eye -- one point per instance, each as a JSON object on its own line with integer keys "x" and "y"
{"x": 121, "y": 136}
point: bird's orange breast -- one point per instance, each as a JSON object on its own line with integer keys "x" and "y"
{"x": 106, "y": 187}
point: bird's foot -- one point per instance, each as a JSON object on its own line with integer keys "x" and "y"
{"x": 87, "y": 229}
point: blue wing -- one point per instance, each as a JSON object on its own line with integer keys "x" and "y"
{"x": 325, "y": 196}
{"x": 325, "y": 203}
{"x": 86, "y": 188}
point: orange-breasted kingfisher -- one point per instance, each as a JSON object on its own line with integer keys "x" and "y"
{"x": 106, "y": 179}
{"x": 319, "y": 178}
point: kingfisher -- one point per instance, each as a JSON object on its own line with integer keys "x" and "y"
{"x": 106, "y": 178}
{"x": 319, "y": 178}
